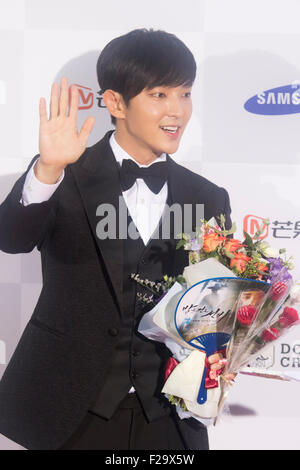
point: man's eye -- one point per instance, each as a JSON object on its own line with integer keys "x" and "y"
{"x": 158, "y": 94}
{"x": 188, "y": 94}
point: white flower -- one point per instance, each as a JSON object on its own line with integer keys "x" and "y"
{"x": 295, "y": 292}
{"x": 272, "y": 252}
{"x": 268, "y": 251}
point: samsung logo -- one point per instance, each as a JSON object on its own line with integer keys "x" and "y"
{"x": 281, "y": 100}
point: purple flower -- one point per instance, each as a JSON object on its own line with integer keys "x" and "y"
{"x": 277, "y": 269}
{"x": 194, "y": 244}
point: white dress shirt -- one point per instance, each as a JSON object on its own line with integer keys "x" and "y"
{"x": 36, "y": 191}
{"x": 144, "y": 206}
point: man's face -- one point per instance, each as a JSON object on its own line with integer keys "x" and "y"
{"x": 150, "y": 112}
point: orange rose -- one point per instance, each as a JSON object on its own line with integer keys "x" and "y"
{"x": 261, "y": 267}
{"x": 239, "y": 261}
{"x": 232, "y": 245}
{"x": 211, "y": 241}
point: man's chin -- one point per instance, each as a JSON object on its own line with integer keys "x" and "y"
{"x": 167, "y": 148}
{"x": 168, "y": 151}
{"x": 171, "y": 149}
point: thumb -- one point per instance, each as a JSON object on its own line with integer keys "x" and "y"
{"x": 86, "y": 129}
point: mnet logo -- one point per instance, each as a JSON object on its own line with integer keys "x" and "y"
{"x": 252, "y": 223}
{"x": 86, "y": 96}
{"x": 276, "y": 101}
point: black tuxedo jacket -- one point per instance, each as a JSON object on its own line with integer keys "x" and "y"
{"x": 62, "y": 358}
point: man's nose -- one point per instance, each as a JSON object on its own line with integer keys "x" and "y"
{"x": 175, "y": 107}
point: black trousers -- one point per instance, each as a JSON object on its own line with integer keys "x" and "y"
{"x": 129, "y": 429}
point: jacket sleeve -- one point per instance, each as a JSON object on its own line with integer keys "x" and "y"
{"x": 24, "y": 227}
{"x": 227, "y": 210}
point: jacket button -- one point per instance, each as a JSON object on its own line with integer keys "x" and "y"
{"x": 143, "y": 261}
{"x": 135, "y": 375}
{"x": 113, "y": 331}
{"x": 136, "y": 353}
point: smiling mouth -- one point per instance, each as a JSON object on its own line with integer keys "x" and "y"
{"x": 171, "y": 130}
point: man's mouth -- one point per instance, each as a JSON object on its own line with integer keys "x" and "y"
{"x": 171, "y": 130}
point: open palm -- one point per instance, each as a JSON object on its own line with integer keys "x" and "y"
{"x": 60, "y": 143}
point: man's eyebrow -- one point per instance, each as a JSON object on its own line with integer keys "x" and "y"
{"x": 169, "y": 86}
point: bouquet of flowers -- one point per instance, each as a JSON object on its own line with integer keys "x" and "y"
{"x": 231, "y": 300}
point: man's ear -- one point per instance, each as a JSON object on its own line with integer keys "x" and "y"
{"x": 114, "y": 103}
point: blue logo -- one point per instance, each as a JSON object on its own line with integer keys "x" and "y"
{"x": 276, "y": 101}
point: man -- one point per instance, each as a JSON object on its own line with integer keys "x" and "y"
{"x": 82, "y": 377}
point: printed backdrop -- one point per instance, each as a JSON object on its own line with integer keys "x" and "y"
{"x": 244, "y": 135}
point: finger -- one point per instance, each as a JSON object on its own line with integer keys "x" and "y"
{"x": 222, "y": 362}
{"x": 216, "y": 366}
{"x": 215, "y": 358}
{"x": 63, "y": 101}
{"x": 86, "y": 129}
{"x": 43, "y": 111}
{"x": 74, "y": 102}
{"x": 54, "y": 100}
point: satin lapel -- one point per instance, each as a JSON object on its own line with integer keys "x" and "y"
{"x": 97, "y": 178}
{"x": 181, "y": 191}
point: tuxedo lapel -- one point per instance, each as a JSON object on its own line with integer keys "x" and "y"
{"x": 181, "y": 192}
{"x": 98, "y": 181}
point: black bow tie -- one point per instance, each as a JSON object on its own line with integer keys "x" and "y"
{"x": 154, "y": 176}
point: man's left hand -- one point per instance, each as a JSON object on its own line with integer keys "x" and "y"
{"x": 218, "y": 363}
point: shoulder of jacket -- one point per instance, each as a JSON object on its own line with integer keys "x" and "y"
{"x": 197, "y": 180}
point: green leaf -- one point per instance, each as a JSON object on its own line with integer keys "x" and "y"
{"x": 228, "y": 254}
{"x": 249, "y": 240}
{"x": 222, "y": 220}
{"x": 230, "y": 231}
{"x": 180, "y": 243}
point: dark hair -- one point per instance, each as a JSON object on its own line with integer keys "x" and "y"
{"x": 142, "y": 59}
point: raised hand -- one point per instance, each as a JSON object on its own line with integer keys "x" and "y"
{"x": 60, "y": 143}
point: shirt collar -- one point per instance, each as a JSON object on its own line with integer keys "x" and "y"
{"x": 120, "y": 153}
